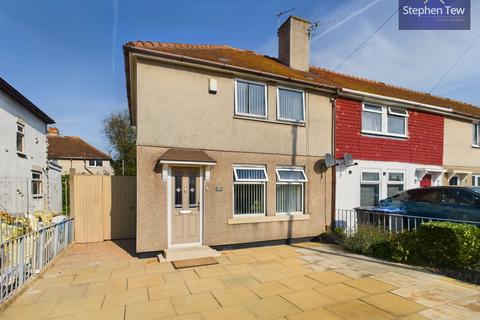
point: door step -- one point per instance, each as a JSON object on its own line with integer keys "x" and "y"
{"x": 174, "y": 254}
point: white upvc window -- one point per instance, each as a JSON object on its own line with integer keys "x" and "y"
{"x": 476, "y": 135}
{"x": 290, "y": 105}
{"x": 249, "y": 190}
{"x": 95, "y": 163}
{"x": 290, "y": 190}
{"x": 20, "y": 136}
{"x": 383, "y": 120}
{"x": 250, "y": 99}
{"x": 395, "y": 183}
{"x": 476, "y": 180}
{"x": 37, "y": 184}
{"x": 369, "y": 188}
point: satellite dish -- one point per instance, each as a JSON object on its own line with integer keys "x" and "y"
{"x": 329, "y": 160}
{"x": 348, "y": 160}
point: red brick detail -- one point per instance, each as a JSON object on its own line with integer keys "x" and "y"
{"x": 424, "y": 145}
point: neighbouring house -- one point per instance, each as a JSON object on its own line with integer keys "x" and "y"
{"x": 399, "y": 139}
{"x": 230, "y": 143}
{"x": 28, "y": 181}
{"x": 461, "y": 155}
{"x": 74, "y": 153}
{"x": 235, "y": 147}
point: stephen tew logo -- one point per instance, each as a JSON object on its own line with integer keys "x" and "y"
{"x": 434, "y": 14}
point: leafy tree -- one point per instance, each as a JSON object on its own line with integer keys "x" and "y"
{"x": 121, "y": 139}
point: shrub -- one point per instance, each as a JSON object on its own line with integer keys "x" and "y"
{"x": 368, "y": 240}
{"x": 451, "y": 245}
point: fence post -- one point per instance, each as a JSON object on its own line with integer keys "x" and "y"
{"x": 21, "y": 261}
{"x": 41, "y": 249}
{"x": 65, "y": 236}
{"x": 55, "y": 240}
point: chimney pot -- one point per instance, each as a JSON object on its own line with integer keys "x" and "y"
{"x": 294, "y": 44}
{"x": 53, "y": 132}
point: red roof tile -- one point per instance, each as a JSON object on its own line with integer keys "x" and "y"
{"x": 233, "y": 57}
{"x": 65, "y": 147}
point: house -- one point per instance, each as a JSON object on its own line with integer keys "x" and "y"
{"x": 461, "y": 157}
{"x": 74, "y": 153}
{"x": 237, "y": 147}
{"x": 399, "y": 139}
{"x": 28, "y": 182}
{"x": 230, "y": 143}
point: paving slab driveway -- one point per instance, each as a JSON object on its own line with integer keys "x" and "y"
{"x": 301, "y": 281}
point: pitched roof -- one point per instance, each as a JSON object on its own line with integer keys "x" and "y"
{"x": 229, "y": 57}
{"x": 65, "y": 147}
{"x": 21, "y": 99}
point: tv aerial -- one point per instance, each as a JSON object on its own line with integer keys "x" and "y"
{"x": 281, "y": 13}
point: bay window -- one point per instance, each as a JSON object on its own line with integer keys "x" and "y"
{"x": 290, "y": 190}
{"x": 369, "y": 188}
{"x": 290, "y": 105}
{"x": 249, "y": 190}
{"x": 250, "y": 99}
{"x": 384, "y": 120}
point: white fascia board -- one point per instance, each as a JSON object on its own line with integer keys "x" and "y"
{"x": 396, "y": 100}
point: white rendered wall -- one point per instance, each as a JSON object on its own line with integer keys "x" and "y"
{"x": 15, "y": 170}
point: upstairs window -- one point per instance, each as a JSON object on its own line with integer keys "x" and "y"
{"x": 249, "y": 190}
{"x": 95, "y": 163}
{"x": 20, "y": 138}
{"x": 476, "y": 134}
{"x": 250, "y": 99}
{"x": 291, "y": 105}
{"x": 290, "y": 190}
{"x": 384, "y": 120}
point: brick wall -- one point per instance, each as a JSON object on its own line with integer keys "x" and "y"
{"x": 424, "y": 145}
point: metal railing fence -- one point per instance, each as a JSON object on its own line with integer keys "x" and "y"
{"x": 349, "y": 220}
{"x": 25, "y": 256}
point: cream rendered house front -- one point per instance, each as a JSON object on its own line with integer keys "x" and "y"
{"x": 227, "y": 155}
{"x": 462, "y": 152}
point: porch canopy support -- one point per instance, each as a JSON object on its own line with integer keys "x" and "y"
{"x": 422, "y": 172}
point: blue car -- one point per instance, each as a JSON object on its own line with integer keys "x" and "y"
{"x": 452, "y": 202}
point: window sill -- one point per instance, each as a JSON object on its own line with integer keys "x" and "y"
{"x": 288, "y": 123}
{"x": 262, "y": 219}
{"x": 21, "y": 154}
{"x": 475, "y": 146}
{"x": 385, "y": 135}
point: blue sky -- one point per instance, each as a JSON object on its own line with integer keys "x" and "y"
{"x": 66, "y": 56}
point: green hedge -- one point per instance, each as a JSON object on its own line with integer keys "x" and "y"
{"x": 438, "y": 244}
{"x": 452, "y": 245}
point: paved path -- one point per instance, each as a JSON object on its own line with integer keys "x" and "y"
{"x": 303, "y": 281}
